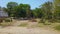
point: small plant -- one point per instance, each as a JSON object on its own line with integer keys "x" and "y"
{"x": 57, "y": 27}
{"x": 23, "y": 24}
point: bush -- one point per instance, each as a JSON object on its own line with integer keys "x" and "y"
{"x": 8, "y": 20}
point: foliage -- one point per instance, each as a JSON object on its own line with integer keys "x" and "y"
{"x": 10, "y": 8}
{"x": 46, "y": 8}
{"x": 8, "y": 20}
{"x": 23, "y": 10}
{"x": 37, "y": 13}
{"x": 47, "y": 11}
{"x": 57, "y": 9}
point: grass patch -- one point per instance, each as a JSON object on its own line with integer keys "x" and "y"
{"x": 47, "y": 23}
{"x": 5, "y": 24}
{"x": 40, "y": 25}
{"x": 57, "y": 27}
{"x": 23, "y": 24}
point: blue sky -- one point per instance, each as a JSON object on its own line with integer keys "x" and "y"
{"x": 32, "y": 3}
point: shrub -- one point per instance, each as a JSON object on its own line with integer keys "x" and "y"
{"x": 8, "y": 20}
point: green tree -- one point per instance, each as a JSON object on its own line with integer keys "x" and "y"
{"x": 10, "y": 7}
{"x": 37, "y": 13}
{"x": 47, "y": 10}
{"x": 22, "y": 10}
{"x": 57, "y": 9}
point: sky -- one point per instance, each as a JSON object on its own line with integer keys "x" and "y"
{"x": 33, "y": 3}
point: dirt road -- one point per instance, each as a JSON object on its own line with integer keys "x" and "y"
{"x": 24, "y": 30}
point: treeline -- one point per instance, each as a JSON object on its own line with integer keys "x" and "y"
{"x": 48, "y": 10}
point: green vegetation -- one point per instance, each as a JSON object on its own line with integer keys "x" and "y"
{"x": 48, "y": 13}
{"x": 23, "y": 24}
{"x": 5, "y": 24}
{"x": 40, "y": 24}
{"x": 57, "y": 27}
{"x": 8, "y": 20}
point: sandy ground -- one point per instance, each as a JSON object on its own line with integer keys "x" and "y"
{"x": 24, "y": 30}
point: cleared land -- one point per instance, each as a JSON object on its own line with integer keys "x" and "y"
{"x": 16, "y": 29}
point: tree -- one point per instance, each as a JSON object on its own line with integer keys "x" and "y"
{"x": 47, "y": 10}
{"x": 37, "y": 13}
{"x": 22, "y": 10}
{"x": 10, "y": 7}
{"x": 57, "y": 9}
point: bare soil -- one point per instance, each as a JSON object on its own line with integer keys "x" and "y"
{"x": 15, "y": 29}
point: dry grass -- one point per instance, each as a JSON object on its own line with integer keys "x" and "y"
{"x": 23, "y": 24}
{"x": 6, "y": 24}
{"x": 57, "y": 27}
{"x": 32, "y": 24}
